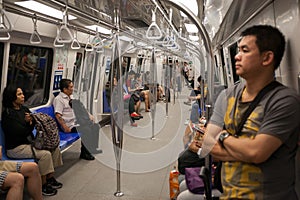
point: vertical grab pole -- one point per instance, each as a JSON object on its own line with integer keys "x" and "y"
{"x": 117, "y": 104}
{"x": 167, "y": 86}
{"x": 153, "y": 89}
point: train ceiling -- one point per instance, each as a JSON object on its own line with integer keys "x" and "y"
{"x": 134, "y": 14}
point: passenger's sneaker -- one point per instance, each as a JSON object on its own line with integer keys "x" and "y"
{"x": 187, "y": 103}
{"x": 54, "y": 183}
{"x": 134, "y": 124}
{"x": 47, "y": 190}
{"x": 187, "y": 122}
{"x": 86, "y": 156}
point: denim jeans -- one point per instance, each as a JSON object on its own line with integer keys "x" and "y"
{"x": 194, "y": 117}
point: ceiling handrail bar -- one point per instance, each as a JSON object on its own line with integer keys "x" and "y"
{"x": 35, "y": 36}
{"x": 65, "y": 35}
{"x": 153, "y": 28}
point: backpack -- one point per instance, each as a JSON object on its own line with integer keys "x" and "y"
{"x": 47, "y": 136}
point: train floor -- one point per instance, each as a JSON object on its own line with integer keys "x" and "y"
{"x": 148, "y": 156}
{"x": 145, "y": 163}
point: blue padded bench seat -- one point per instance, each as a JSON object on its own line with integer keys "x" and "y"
{"x": 66, "y": 139}
{"x": 4, "y": 156}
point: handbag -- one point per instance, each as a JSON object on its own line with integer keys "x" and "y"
{"x": 188, "y": 158}
{"x": 194, "y": 182}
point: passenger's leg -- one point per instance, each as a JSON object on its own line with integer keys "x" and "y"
{"x": 85, "y": 154}
{"x": 14, "y": 182}
{"x": 187, "y": 136}
{"x": 194, "y": 117}
{"x": 132, "y": 111}
{"x": 147, "y": 100}
{"x": 46, "y": 170}
{"x": 30, "y": 170}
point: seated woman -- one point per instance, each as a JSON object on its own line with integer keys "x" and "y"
{"x": 12, "y": 175}
{"x": 17, "y": 125}
{"x": 142, "y": 91}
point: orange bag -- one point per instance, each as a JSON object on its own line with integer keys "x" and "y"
{"x": 174, "y": 184}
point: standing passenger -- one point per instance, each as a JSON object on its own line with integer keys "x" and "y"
{"x": 260, "y": 162}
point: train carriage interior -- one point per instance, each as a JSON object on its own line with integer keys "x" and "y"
{"x": 168, "y": 44}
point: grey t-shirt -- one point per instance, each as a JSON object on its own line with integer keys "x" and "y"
{"x": 277, "y": 114}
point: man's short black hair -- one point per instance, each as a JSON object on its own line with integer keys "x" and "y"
{"x": 268, "y": 38}
{"x": 64, "y": 83}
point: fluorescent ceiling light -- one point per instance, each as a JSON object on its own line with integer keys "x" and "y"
{"x": 191, "y": 28}
{"x": 194, "y": 37}
{"x": 192, "y": 5}
{"x": 100, "y": 29}
{"x": 44, "y": 9}
{"x": 125, "y": 38}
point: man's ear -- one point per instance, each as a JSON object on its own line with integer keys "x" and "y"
{"x": 268, "y": 58}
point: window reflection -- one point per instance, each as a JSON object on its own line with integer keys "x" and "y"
{"x": 28, "y": 68}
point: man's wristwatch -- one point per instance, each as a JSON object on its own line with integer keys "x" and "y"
{"x": 222, "y": 137}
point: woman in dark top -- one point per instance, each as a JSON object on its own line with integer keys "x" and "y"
{"x": 17, "y": 125}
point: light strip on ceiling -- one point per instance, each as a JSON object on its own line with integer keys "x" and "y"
{"x": 191, "y": 5}
{"x": 194, "y": 37}
{"x": 191, "y": 28}
{"x": 44, "y": 9}
{"x": 100, "y": 29}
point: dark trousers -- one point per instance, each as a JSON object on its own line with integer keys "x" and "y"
{"x": 83, "y": 149}
{"x": 188, "y": 158}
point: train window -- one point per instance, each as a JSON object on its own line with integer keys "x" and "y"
{"x": 223, "y": 67}
{"x": 77, "y": 67}
{"x": 233, "y": 50}
{"x": 30, "y": 68}
{"x": 1, "y": 59}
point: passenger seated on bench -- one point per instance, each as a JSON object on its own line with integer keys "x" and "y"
{"x": 194, "y": 120}
{"x": 65, "y": 114}
{"x": 12, "y": 175}
{"x": 133, "y": 104}
{"x": 17, "y": 125}
{"x": 196, "y": 92}
{"x": 130, "y": 89}
{"x": 142, "y": 91}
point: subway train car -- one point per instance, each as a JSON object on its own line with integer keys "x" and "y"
{"x": 98, "y": 44}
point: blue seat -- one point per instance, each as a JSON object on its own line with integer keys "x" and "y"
{"x": 106, "y": 108}
{"x": 4, "y": 156}
{"x": 66, "y": 139}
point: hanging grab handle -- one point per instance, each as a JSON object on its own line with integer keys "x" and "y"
{"x": 88, "y": 46}
{"x": 35, "y": 36}
{"x": 65, "y": 35}
{"x": 3, "y": 18}
{"x": 97, "y": 42}
{"x": 4, "y": 28}
{"x": 75, "y": 43}
{"x": 56, "y": 42}
{"x": 153, "y": 32}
